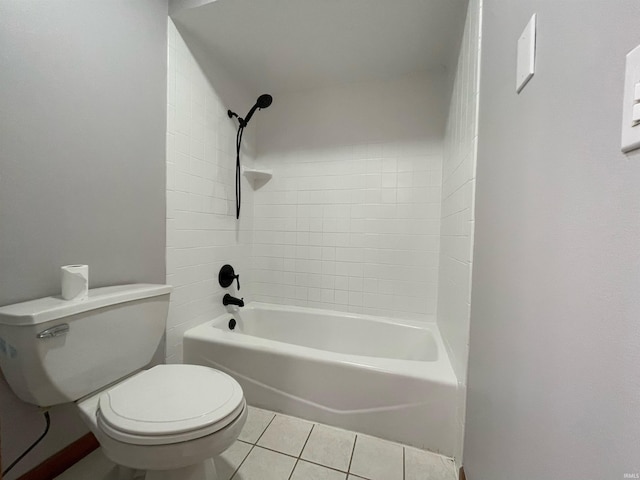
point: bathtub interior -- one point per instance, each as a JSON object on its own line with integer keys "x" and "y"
{"x": 337, "y": 332}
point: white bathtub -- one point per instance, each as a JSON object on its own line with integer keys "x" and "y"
{"x": 378, "y": 376}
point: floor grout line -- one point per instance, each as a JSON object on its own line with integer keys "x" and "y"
{"x": 253, "y": 445}
{"x": 276, "y": 451}
{"x": 293, "y": 469}
{"x": 302, "y": 450}
{"x": 325, "y": 466}
{"x": 266, "y": 428}
{"x": 355, "y": 440}
{"x": 307, "y": 440}
{"x": 243, "y": 460}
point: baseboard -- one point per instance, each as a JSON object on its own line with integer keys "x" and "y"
{"x": 65, "y": 458}
{"x": 461, "y": 475}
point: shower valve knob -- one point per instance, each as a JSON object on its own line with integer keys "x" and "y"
{"x": 227, "y": 275}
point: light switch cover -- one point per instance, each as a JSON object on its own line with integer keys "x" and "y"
{"x": 526, "y": 57}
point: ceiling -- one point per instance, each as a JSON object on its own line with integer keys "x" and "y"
{"x": 292, "y": 45}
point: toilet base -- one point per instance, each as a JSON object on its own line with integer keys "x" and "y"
{"x": 201, "y": 471}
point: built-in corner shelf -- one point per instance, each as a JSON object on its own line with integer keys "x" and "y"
{"x": 257, "y": 177}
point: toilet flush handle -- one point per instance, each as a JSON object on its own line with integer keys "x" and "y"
{"x": 56, "y": 331}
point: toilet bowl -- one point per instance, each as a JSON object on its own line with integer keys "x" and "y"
{"x": 168, "y": 421}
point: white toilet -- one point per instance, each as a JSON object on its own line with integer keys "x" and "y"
{"x": 169, "y": 420}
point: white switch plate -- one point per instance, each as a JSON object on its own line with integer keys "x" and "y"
{"x": 526, "y": 58}
{"x": 630, "y": 134}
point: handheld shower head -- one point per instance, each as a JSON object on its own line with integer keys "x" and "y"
{"x": 263, "y": 102}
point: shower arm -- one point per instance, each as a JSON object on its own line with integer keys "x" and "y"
{"x": 241, "y": 120}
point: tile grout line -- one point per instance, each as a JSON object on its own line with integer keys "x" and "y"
{"x": 253, "y": 445}
{"x": 243, "y": 460}
{"x": 265, "y": 429}
{"x": 324, "y": 466}
{"x": 293, "y": 469}
{"x": 352, "y": 452}
{"x": 313, "y": 425}
{"x": 276, "y": 451}
{"x": 307, "y": 440}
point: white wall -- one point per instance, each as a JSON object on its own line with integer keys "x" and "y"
{"x": 458, "y": 194}
{"x": 202, "y": 231}
{"x": 82, "y": 122}
{"x": 554, "y": 377}
{"x": 351, "y": 219}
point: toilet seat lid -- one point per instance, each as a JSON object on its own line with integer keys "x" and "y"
{"x": 171, "y": 399}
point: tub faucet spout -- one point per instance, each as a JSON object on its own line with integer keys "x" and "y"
{"x": 229, "y": 300}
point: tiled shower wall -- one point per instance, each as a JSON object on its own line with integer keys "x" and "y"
{"x": 458, "y": 197}
{"x": 202, "y": 231}
{"x": 351, "y": 219}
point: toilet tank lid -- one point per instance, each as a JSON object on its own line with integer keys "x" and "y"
{"x": 46, "y": 309}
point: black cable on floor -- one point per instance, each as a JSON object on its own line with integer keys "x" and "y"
{"x": 24, "y": 454}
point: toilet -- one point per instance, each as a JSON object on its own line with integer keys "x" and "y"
{"x": 168, "y": 421}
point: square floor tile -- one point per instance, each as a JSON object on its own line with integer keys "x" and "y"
{"x": 329, "y": 446}
{"x": 377, "y": 459}
{"x": 421, "y": 465}
{"x": 264, "y": 464}
{"x": 451, "y": 465}
{"x": 229, "y": 461}
{"x": 309, "y": 471}
{"x": 286, "y": 435}
{"x": 257, "y": 421}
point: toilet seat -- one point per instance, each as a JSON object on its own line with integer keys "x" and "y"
{"x": 170, "y": 404}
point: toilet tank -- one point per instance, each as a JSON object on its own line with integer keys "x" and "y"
{"x": 56, "y": 351}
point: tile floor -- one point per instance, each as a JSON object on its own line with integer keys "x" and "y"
{"x": 273, "y": 446}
